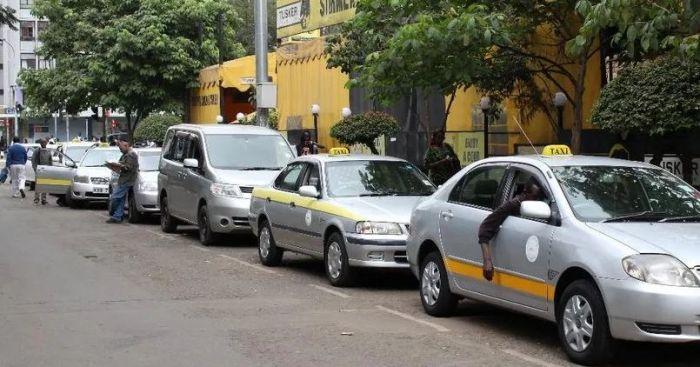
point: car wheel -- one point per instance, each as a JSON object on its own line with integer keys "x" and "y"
{"x": 337, "y": 266}
{"x": 270, "y": 254}
{"x": 206, "y": 236}
{"x": 583, "y": 324}
{"x": 61, "y": 201}
{"x": 435, "y": 294}
{"x": 72, "y": 203}
{"x": 168, "y": 224}
{"x": 134, "y": 215}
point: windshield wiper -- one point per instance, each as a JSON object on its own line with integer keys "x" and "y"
{"x": 380, "y": 194}
{"x": 261, "y": 169}
{"x": 687, "y": 218}
{"x": 647, "y": 214}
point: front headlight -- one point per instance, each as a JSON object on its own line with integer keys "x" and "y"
{"x": 148, "y": 186}
{"x": 225, "y": 190}
{"x": 659, "y": 269}
{"x": 81, "y": 179}
{"x": 377, "y": 228}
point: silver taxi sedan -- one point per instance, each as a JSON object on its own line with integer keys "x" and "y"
{"x": 611, "y": 252}
{"x": 349, "y": 210}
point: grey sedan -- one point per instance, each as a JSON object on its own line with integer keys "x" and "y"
{"x": 610, "y": 253}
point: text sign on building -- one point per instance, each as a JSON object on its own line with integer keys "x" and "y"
{"x": 289, "y": 15}
{"x": 469, "y": 146}
{"x": 674, "y": 165}
{"x": 295, "y": 17}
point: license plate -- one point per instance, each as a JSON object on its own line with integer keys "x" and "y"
{"x": 99, "y": 190}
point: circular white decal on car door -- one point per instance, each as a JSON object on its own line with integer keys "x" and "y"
{"x": 532, "y": 249}
{"x": 308, "y": 218}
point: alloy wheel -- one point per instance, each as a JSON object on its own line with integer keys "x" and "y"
{"x": 578, "y": 323}
{"x": 264, "y": 242}
{"x": 430, "y": 283}
{"x": 335, "y": 260}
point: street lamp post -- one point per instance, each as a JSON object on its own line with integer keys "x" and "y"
{"x": 219, "y": 119}
{"x": 55, "y": 124}
{"x": 240, "y": 117}
{"x": 346, "y": 112}
{"x": 485, "y": 105}
{"x": 559, "y": 101}
{"x": 315, "y": 110}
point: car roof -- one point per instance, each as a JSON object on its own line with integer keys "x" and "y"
{"x": 347, "y": 157}
{"x": 148, "y": 150}
{"x": 216, "y": 129}
{"x": 567, "y": 161}
{"x": 81, "y": 144}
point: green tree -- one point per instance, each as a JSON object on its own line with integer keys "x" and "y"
{"x": 154, "y": 127}
{"x": 137, "y": 56}
{"x": 656, "y": 98}
{"x": 8, "y": 17}
{"x": 245, "y": 34}
{"x": 365, "y": 129}
{"x": 526, "y": 50}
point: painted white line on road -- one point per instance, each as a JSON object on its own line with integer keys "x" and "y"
{"x": 200, "y": 248}
{"x": 528, "y": 358}
{"x": 330, "y": 291}
{"x": 256, "y": 267}
{"x": 437, "y": 327}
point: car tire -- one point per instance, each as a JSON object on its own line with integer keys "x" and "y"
{"x": 72, "y": 203}
{"x": 582, "y": 322}
{"x": 269, "y": 253}
{"x": 61, "y": 201}
{"x": 206, "y": 236}
{"x": 168, "y": 224}
{"x": 336, "y": 262}
{"x": 133, "y": 214}
{"x": 435, "y": 293}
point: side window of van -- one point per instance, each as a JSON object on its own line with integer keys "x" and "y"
{"x": 180, "y": 147}
{"x": 168, "y": 147}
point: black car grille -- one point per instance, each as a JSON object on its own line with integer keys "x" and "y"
{"x": 660, "y": 329}
{"x": 400, "y": 257}
{"x": 241, "y": 221}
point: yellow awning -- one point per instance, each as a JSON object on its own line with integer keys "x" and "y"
{"x": 240, "y": 73}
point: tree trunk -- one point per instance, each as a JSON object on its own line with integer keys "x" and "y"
{"x": 448, "y": 109}
{"x": 129, "y": 131}
{"x": 425, "y": 118}
{"x": 580, "y": 88}
{"x": 372, "y": 148}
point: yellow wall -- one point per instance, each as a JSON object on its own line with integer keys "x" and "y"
{"x": 303, "y": 80}
{"x": 205, "y": 100}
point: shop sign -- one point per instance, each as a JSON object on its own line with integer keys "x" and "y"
{"x": 248, "y": 80}
{"x": 674, "y": 165}
{"x": 469, "y": 146}
{"x": 295, "y": 17}
{"x": 206, "y": 100}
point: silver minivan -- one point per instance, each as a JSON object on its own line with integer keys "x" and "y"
{"x": 208, "y": 172}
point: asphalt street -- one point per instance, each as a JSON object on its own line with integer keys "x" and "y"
{"x": 75, "y": 291}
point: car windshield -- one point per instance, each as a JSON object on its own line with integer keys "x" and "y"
{"x": 600, "y": 193}
{"x": 149, "y": 161}
{"x": 248, "y": 152}
{"x": 97, "y": 158}
{"x": 76, "y": 152}
{"x": 376, "y": 178}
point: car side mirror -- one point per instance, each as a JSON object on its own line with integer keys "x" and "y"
{"x": 309, "y": 192}
{"x": 55, "y": 159}
{"x": 191, "y": 163}
{"x": 70, "y": 164}
{"x": 535, "y": 210}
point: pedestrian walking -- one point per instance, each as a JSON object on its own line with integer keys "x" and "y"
{"x": 306, "y": 145}
{"x": 128, "y": 169}
{"x": 441, "y": 161}
{"x": 41, "y": 157}
{"x": 16, "y": 161}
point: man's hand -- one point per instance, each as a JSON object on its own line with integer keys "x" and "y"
{"x": 488, "y": 261}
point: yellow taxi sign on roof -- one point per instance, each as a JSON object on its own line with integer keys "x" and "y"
{"x": 339, "y": 151}
{"x": 554, "y": 150}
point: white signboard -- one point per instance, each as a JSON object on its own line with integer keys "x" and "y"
{"x": 673, "y": 164}
{"x": 289, "y": 15}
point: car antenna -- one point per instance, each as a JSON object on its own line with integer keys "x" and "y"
{"x": 517, "y": 122}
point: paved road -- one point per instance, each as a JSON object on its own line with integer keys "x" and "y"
{"x": 77, "y": 292}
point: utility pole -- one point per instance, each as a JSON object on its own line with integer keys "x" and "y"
{"x": 221, "y": 47}
{"x": 261, "y": 78}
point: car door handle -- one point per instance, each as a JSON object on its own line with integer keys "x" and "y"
{"x": 447, "y": 215}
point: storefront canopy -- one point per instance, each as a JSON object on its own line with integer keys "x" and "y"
{"x": 240, "y": 73}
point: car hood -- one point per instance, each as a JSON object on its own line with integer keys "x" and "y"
{"x": 94, "y": 172}
{"x": 149, "y": 176}
{"x": 681, "y": 240}
{"x": 395, "y": 209}
{"x": 245, "y": 178}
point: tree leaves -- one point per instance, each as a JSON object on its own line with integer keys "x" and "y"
{"x": 365, "y": 129}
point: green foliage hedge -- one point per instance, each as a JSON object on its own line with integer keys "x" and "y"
{"x": 653, "y": 97}
{"x": 154, "y": 127}
{"x": 365, "y": 129}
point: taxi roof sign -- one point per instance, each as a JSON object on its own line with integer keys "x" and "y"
{"x": 339, "y": 151}
{"x": 555, "y": 150}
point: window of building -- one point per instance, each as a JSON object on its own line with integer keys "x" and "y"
{"x": 45, "y": 64}
{"x": 41, "y": 27}
{"x": 26, "y": 4}
{"x": 28, "y": 61}
{"x": 26, "y": 30}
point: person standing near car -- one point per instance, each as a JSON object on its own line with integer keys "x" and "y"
{"x": 16, "y": 161}
{"x": 441, "y": 161}
{"x": 128, "y": 169}
{"x": 41, "y": 157}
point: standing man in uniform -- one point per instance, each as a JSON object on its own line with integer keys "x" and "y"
{"x": 128, "y": 169}
{"x": 16, "y": 159}
{"x": 491, "y": 224}
{"x": 41, "y": 157}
